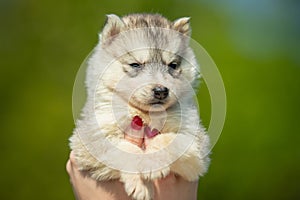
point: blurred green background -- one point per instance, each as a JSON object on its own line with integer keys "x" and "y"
{"x": 255, "y": 44}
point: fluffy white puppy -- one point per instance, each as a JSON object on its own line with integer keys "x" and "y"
{"x": 140, "y": 81}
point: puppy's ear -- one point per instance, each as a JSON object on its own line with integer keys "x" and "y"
{"x": 112, "y": 27}
{"x": 182, "y": 25}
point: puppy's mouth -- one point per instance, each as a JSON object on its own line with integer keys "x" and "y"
{"x": 154, "y": 105}
{"x": 157, "y": 102}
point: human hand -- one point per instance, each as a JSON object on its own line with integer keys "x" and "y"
{"x": 86, "y": 188}
{"x": 172, "y": 187}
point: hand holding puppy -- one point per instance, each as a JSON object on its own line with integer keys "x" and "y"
{"x": 85, "y": 188}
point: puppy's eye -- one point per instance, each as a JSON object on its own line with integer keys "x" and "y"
{"x": 173, "y": 65}
{"x": 135, "y": 65}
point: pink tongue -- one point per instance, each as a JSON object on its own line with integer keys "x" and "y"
{"x": 150, "y": 133}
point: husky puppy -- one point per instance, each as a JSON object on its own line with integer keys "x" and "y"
{"x": 140, "y": 81}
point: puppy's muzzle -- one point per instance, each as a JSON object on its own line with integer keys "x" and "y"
{"x": 160, "y": 92}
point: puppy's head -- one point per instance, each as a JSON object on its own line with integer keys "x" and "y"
{"x": 150, "y": 61}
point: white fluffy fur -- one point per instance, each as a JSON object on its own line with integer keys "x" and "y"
{"x": 109, "y": 95}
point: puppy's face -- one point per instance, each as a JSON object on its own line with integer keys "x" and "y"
{"x": 151, "y": 68}
{"x": 151, "y": 78}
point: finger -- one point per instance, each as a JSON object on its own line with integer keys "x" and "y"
{"x": 72, "y": 158}
{"x": 69, "y": 166}
{"x": 75, "y": 172}
{"x": 168, "y": 180}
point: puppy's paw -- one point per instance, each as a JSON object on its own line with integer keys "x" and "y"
{"x": 159, "y": 142}
{"x": 136, "y": 188}
{"x": 191, "y": 164}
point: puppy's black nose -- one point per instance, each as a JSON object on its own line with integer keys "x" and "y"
{"x": 160, "y": 92}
